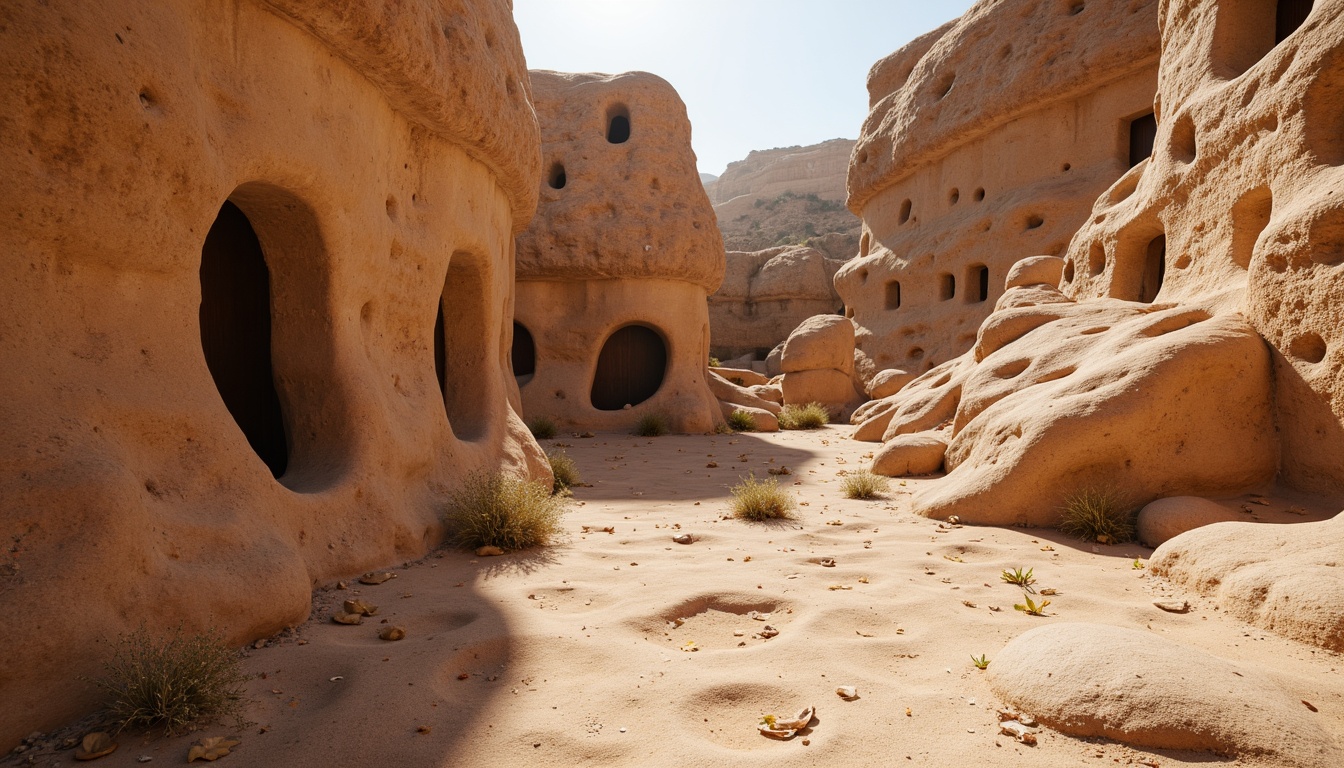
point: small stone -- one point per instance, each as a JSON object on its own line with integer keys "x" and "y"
{"x": 768, "y": 632}
{"x": 489, "y": 551}
{"x": 807, "y": 742}
{"x": 683, "y": 538}
{"x": 847, "y": 692}
{"x": 347, "y": 618}
{"x": 373, "y": 578}
{"x": 1172, "y": 606}
{"x": 827, "y": 562}
{"x": 95, "y": 745}
{"x": 392, "y": 633}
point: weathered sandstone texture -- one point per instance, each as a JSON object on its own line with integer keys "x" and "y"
{"x": 817, "y": 361}
{"x": 765, "y": 295}
{"x": 1101, "y": 681}
{"x": 1287, "y": 579}
{"x": 1194, "y": 346}
{"x": 229, "y": 228}
{"x": 987, "y": 141}
{"x": 612, "y": 321}
{"x": 787, "y": 196}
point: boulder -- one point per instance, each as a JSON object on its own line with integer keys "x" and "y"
{"x": 766, "y": 421}
{"x": 829, "y": 387}
{"x": 1036, "y": 270}
{"x": 1099, "y": 681}
{"x": 1170, "y": 517}
{"x": 728, "y": 392}
{"x": 907, "y": 455}
{"x": 819, "y": 343}
{"x": 889, "y": 382}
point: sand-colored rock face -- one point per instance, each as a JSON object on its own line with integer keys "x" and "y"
{"x": 1286, "y": 578}
{"x": 1238, "y": 207}
{"x": 765, "y": 295}
{"x": 1058, "y": 396}
{"x": 376, "y": 161}
{"x": 983, "y": 146}
{"x": 1094, "y": 680}
{"x": 614, "y": 271}
{"x": 819, "y": 168}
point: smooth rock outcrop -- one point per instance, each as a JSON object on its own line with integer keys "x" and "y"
{"x": 623, "y": 217}
{"x": 977, "y": 153}
{"x": 1170, "y": 517}
{"x": 1098, "y": 681}
{"x": 258, "y": 273}
{"x": 1288, "y": 579}
{"x": 906, "y": 455}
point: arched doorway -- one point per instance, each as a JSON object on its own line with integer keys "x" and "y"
{"x": 235, "y": 320}
{"x": 630, "y": 368}
{"x": 524, "y": 354}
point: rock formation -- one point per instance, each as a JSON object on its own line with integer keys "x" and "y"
{"x": 817, "y": 362}
{"x": 787, "y": 196}
{"x": 983, "y": 146}
{"x": 765, "y": 295}
{"x": 229, "y": 229}
{"x": 611, "y": 322}
{"x": 1098, "y": 681}
{"x": 1193, "y": 346}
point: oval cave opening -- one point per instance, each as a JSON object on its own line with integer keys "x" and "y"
{"x": 618, "y": 124}
{"x": 556, "y": 178}
{"x": 461, "y": 347}
{"x": 1154, "y": 269}
{"x": 524, "y": 353}
{"x": 630, "y": 368}
{"x": 235, "y": 321}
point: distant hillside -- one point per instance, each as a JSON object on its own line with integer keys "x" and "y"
{"x": 787, "y": 196}
{"x": 707, "y": 179}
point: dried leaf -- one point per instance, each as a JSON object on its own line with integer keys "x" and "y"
{"x": 211, "y": 749}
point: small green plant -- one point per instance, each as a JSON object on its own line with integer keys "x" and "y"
{"x": 173, "y": 682}
{"x": 810, "y": 416}
{"x": 714, "y": 362}
{"x": 864, "y": 485}
{"x": 741, "y": 421}
{"x": 761, "y": 500}
{"x": 1030, "y": 607}
{"x": 1023, "y": 579}
{"x": 501, "y": 510}
{"x": 1097, "y": 514}
{"x": 542, "y": 428}
{"x": 651, "y": 425}
{"x": 768, "y": 720}
{"x": 565, "y": 470}
{"x": 982, "y": 662}
{"x": 1138, "y": 564}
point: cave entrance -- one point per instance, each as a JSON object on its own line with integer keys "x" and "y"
{"x": 1288, "y": 16}
{"x": 235, "y": 320}
{"x": 1142, "y": 137}
{"x": 524, "y": 354}
{"x": 618, "y": 124}
{"x": 630, "y": 368}
{"x": 1154, "y": 269}
{"x": 978, "y": 278}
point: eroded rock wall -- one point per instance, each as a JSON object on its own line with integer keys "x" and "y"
{"x": 765, "y": 295}
{"x": 987, "y": 142}
{"x": 614, "y": 271}
{"x": 342, "y": 174}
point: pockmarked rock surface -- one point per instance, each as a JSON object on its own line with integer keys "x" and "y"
{"x": 230, "y": 228}
{"x": 1095, "y": 680}
{"x": 623, "y": 217}
{"x": 765, "y": 295}
{"x": 1288, "y": 579}
{"x": 984, "y": 146}
{"x": 1058, "y": 396}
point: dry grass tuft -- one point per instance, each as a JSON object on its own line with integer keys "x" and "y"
{"x": 173, "y": 682}
{"x": 501, "y": 510}
{"x": 542, "y": 428}
{"x": 565, "y": 470}
{"x": 741, "y": 421}
{"x": 651, "y": 425}
{"x": 1098, "y": 514}
{"x": 864, "y": 485}
{"x": 762, "y": 500}
{"x": 810, "y": 416}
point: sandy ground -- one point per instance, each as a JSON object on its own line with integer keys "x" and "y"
{"x": 571, "y": 655}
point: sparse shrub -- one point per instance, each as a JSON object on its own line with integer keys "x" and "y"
{"x": 864, "y": 485}
{"x": 565, "y": 470}
{"x": 542, "y": 428}
{"x": 1098, "y": 514}
{"x": 504, "y": 511}
{"x": 810, "y": 416}
{"x": 714, "y": 362}
{"x": 761, "y": 500}
{"x": 651, "y": 425}
{"x": 982, "y": 662}
{"x": 741, "y": 421}
{"x": 738, "y": 380}
{"x": 173, "y": 682}
{"x": 1021, "y": 578}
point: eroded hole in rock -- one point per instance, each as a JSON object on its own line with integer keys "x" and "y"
{"x": 1142, "y": 137}
{"x": 1093, "y": 331}
{"x": 1250, "y": 216}
{"x": 235, "y": 320}
{"x": 915, "y": 353}
{"x": 953, "y": 196}
{"x": 1246, "y": 30}
{"x": 556, "y": 178}
{"x": 905, "y": 210}
{"x": 618, "y": 124}
{"x": 391, "y": 206}
{"x": 1012, "y": 370}
{"x": 944, "y": 86}
{"x": 523, "y": 353}
{"x": 1096, "y": 260}
{"x": 979, "y": 194}
{"x": 1309, "y": 348}
{"x": 462, "y": 347}
{"x": 947, "y": 287}
{"x": 1034, "y": 222}
{"x": 865, "y": 243}
{"x": 977, "y": 278}
{"x": 1183, "y": 142}
{"x": 1288, "y": 16}
{"x": 1154, "y": 269}
{"x": 1068, "y": 271}
{"x": 630, "y": 368}
{"x": 1076, "y": 7}
{"x": 893, "y": 294}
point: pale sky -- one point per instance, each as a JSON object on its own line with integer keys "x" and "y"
{"x": 755, "y": 74}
